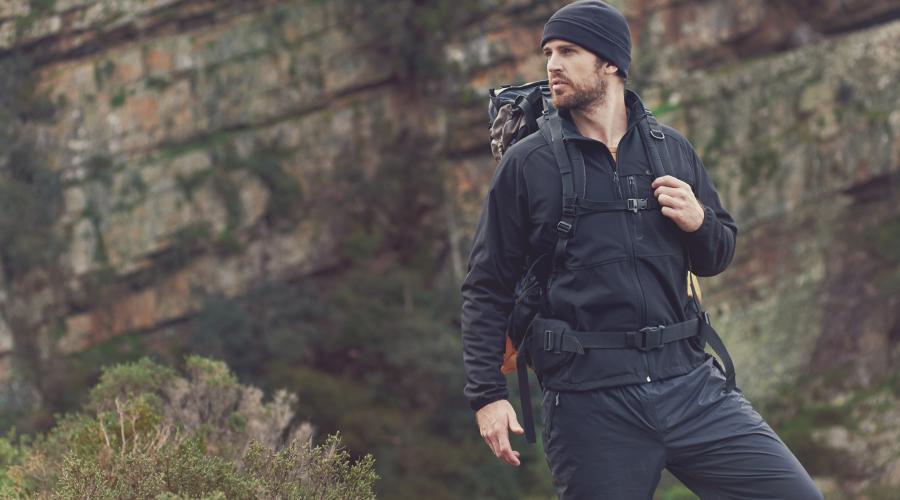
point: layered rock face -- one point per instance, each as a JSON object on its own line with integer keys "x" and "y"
{"x": 199, "y": 147}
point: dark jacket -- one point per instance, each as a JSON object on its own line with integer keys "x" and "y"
{"x": 623, "y": 270}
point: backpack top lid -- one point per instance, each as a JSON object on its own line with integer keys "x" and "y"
{"x": 510, "y": 94}
{"x": 513, "y": 113}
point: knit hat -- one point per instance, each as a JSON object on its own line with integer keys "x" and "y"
{"x": 594, "y": 25}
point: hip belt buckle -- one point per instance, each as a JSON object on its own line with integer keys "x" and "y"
{"x": 553, "y": 341}
{"x": 647, "y": 338}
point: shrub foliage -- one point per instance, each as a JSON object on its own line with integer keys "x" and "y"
{"x": 149, "y": 433}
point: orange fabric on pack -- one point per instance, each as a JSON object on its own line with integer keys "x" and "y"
{"x": 509, "y": 358}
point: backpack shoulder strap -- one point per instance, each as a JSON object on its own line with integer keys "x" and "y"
{"x": 530, "y": 106}
{"x": 551, "y": 130}
{"x": 654, "y": 141}
{"x": 654, "y": 144}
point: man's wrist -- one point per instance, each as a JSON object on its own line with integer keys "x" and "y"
{"x": 480, "y": 403}
{"x": 705, "y": 224}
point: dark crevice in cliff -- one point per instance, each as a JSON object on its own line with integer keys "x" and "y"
{"x": 876, "y": 188}
{"x": 179, "y": 17}
{"x": 862, "y": 24}
{"x": 857, "y": 293}
{"x": 781, "y": 27}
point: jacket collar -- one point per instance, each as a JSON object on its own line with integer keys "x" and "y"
{"x": 633, "y": 104}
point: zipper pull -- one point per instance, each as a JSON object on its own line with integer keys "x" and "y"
{"x": 616, "y": 181}
{"x": 557, "y": 399}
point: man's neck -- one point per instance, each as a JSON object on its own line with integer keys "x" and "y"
{"x": 605, "y": 122}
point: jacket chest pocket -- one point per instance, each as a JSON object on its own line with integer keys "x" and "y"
{"x": 654, "y": 233}
{"x": 637, "y": 188}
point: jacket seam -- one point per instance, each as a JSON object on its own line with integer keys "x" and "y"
{"x": 598, "y": 264}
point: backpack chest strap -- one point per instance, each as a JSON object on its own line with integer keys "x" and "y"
{"x": 584, "y": 207}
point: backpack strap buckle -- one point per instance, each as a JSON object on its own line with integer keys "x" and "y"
{"x": 553, "y": 341}
{"x": 647, "y": 338}
{"x": 635, "y": 204}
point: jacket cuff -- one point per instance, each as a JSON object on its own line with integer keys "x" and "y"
{"x": 479, "y": 403}
{"x": 702, "y": 232}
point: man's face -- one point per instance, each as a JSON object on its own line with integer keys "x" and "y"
{"x": 577, "y": 80}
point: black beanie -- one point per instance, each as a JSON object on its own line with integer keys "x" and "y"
{"x": 594, "y": 25}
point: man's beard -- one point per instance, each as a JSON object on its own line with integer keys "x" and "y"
{"x": 581, "y": 97}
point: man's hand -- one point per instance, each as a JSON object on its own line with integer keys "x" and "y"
{"x": 495, "y": 420}
{"x": 678, "y": 202}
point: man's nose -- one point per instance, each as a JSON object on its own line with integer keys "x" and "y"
{"x": 553, "y": 64}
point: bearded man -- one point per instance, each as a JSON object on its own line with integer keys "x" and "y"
{"x": 614, "y": 416}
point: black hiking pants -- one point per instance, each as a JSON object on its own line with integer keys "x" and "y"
{"x": 613, "y": 443}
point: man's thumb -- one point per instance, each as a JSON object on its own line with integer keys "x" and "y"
{"x": 514, "y": 423}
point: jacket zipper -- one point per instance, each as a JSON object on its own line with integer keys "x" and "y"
{"x": 638, "y": 225}
{"x": 618, "y": 186}
{"x": 633, "y": 222}
{"x": 548, "y": 429}
{"x": 634, "y": 193}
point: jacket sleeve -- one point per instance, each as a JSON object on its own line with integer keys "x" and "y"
{"x": 711, "y": 247}
{"x": 496, "y": 263}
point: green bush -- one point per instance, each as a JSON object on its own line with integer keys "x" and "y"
{"x": 149, "y": 433}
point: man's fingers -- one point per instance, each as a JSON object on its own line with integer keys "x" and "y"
{"x": 668, "y": 180}
{"x": 494, "y": 438}
{"x": 514, "y": 422}
{"x": 493, "y": 442}
{"x": 488, "y": 439}
{"x": 668, "y": 212}
{"x": 685, "y": 194}
{"x": 506, "y": 452}
{"x": 669, "y": 191}
{"x": 498, "y": 440}
{"x": 511, "y": 457}
{"x": 670, "y": 201}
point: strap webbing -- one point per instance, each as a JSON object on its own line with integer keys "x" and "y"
{"x": 654, "y": 141}
{"x": 709, "y": 334}
{"x": 551, "y": 129}
{"x": 529, "y": 111}
{"x": 525, "y": 393}
{"x": 566, "y": 225}
{"x": 558, "y": 338}
{"x": 584, "y": 207}
{"x": 652, "y": 133}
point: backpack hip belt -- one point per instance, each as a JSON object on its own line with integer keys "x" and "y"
{"x": 559, "y": 337}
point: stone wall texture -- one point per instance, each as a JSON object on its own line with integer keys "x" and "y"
{"x": 182, "y": 126}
